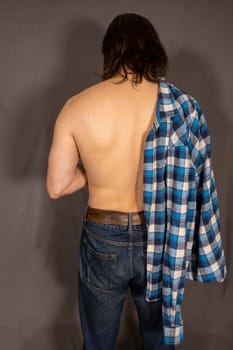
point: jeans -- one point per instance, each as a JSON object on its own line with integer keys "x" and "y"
{"x": 112, "y": 258}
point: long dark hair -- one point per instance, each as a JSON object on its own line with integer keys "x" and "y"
{"x": 132, "y": 42}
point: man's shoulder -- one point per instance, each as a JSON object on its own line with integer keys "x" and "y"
{"x": 87, "y": 93}
{"x": 187, "y": 105}
{"x": 80, "y": 103}
{"x": 183, "y": 99}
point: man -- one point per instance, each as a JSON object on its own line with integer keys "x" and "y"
{"x": 106, "y": 126}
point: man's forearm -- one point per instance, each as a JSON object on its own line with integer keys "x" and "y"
{"x": 79, "y": 181}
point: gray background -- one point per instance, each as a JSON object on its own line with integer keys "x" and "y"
{"x": 49, "y": 51}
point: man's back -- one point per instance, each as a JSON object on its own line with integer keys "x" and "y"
{"x": 110, "y": 130}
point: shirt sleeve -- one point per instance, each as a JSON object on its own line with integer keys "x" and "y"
{"x": 208, "y": 259}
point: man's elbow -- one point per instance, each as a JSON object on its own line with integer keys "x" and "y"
{"x": 53, "y": 195}
{"x": 52, "y": 192}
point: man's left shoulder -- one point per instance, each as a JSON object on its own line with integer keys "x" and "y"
{"x": 186, "y": 104}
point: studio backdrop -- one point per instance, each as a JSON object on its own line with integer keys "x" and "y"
{"x": 50, "y": 50}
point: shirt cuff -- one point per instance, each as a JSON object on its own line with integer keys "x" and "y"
{"x": 173, "y": 335}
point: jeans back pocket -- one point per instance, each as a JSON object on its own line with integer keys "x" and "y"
{"x": 96, "y": 268}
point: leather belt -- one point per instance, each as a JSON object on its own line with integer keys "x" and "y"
{"x": 114, "y": 216}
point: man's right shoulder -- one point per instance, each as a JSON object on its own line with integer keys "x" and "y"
{"x": 87, "y": 93}
{"x": 84, "y": 102}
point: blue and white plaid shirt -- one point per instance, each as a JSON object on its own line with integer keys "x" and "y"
{"x": 180, "y": 206}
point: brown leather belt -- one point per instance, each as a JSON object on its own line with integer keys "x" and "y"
{"x": 114, "y": 216}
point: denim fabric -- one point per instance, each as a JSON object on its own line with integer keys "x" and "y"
{"x": 112, "y": 258}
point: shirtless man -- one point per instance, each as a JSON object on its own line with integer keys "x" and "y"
{"x": 105, "y": 127}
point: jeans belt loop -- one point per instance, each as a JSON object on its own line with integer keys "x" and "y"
{"x": 130, "y": 221}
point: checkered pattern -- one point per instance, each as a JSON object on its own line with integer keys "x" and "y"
{"x": 180, "y": 205}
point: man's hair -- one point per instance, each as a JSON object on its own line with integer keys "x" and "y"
{"x": 132, "y": 42}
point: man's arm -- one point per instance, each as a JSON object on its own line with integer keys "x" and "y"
{"x": 79, "y": 181}
{"x": 64, "y": 175}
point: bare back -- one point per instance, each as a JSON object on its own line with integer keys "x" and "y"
{"x": 110, "y": 130}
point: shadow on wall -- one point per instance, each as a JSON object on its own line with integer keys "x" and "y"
{"x": 50, "y": 317}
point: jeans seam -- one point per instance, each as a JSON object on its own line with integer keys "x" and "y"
{"x": 130, "y": 252}
{"x": 113, "y": 270}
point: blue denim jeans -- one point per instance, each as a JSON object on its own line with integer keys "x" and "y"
{"x": 112, "y": 259}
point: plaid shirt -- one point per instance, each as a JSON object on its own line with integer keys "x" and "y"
{"x": 180, "y": 205}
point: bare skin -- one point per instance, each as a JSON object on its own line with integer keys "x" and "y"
{"x": 110, "y": 131}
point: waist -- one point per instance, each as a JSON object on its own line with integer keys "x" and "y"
{"x": 116, "y": 217}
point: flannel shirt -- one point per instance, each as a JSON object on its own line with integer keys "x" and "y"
{"x": 180, "y": 206}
